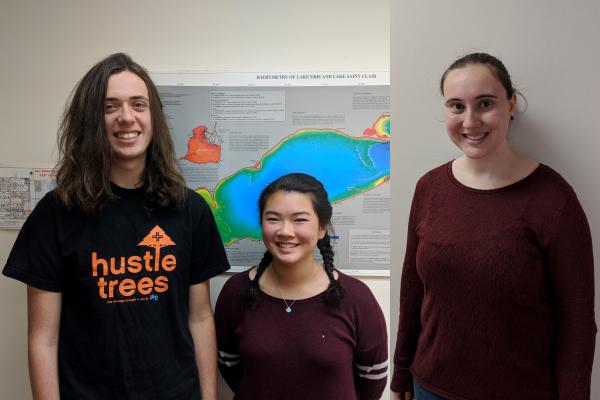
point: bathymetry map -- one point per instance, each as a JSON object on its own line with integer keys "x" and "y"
{"x": 233, "y": 141}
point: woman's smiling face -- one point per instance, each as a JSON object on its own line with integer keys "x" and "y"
{"x": 290, "y": 227}
{"x": 477, "y": 110}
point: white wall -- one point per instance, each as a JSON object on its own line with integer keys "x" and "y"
{"x": 551, "y": 48}
{"x": 47, "y": 46}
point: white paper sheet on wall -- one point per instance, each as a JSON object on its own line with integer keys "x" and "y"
{"x": 21, "y": 188}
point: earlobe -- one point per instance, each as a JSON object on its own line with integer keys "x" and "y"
{"x": 513, "y": 104}
{"x": 322, "y": 232}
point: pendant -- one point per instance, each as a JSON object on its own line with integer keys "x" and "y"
{"x": 288, "y": 310}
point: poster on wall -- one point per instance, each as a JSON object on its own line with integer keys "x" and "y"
{"x": 234, "y": 133}
{"x": 21, "y": 188}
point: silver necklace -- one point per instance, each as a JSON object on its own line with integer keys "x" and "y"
{"x": 288, "y": 306}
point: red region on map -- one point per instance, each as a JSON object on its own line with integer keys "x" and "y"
{"x": 200, "y": 150}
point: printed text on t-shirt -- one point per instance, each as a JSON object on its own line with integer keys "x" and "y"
{"x": 108, "y": 270}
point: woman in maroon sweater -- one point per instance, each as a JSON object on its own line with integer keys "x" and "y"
{"x": 292, "y": 328}
{"x": 497, "y": 295}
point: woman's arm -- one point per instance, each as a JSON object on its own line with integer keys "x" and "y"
{"x": 202, "y": 327}
{"x": 571, "y": 266}
{"x": 411, "y": 297}
{"x": 371, "y": 352}
{"x": 43, "y": 313}
{"x": 227, "y": 314}
{"x": 402, "y": 395}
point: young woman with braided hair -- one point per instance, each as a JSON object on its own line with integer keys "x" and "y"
{"x": 293, "y": 328}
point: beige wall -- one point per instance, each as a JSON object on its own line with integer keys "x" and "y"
{"x": 549, "y": 45}
{"x": 551, "y": 48}
{"x": 46, "y": 46}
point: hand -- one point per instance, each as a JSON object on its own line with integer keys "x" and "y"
{"x": 402, "y": 395}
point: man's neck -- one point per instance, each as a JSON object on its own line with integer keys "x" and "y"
{"x": 127, "y": 175}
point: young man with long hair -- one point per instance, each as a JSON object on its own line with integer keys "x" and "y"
{"x": 118, "y": 257}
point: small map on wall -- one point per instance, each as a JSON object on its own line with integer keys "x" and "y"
{"x": 20, "y": 190}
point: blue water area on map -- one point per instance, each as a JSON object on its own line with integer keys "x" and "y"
{"x": 346, "y": 166}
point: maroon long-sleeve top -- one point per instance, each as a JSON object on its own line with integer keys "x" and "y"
{"x": 316, "y": 352}
{"x": 497, "y": 291}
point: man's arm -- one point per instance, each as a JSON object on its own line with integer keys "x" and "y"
{"x": 43, "y": 313}
{"x": 202, "y": 327}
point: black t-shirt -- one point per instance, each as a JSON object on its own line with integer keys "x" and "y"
{"x": 125, "y": 277}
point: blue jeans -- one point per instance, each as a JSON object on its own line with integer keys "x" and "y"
{"x": 422, "y": 394}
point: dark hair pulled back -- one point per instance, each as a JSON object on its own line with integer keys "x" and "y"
{"x": 493, "y": 63}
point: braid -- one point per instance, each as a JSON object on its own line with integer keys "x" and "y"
{"x": 250, "y": 295}
{"x": 335, "y": 292}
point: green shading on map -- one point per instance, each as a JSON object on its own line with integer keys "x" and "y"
{"x": 347, "y": 166}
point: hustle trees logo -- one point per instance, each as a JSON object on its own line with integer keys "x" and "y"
{"x": 116, "y": 275}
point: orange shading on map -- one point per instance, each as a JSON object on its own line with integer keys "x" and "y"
{"x": 200, "y": 150}
{"x": 380, "y": 129}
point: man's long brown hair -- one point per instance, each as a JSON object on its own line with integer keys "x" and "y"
{"x": 85, "y": 155}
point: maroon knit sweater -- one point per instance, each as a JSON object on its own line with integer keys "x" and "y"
{"x": 497, "y": 291}
{"x": 316, "y": 352}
